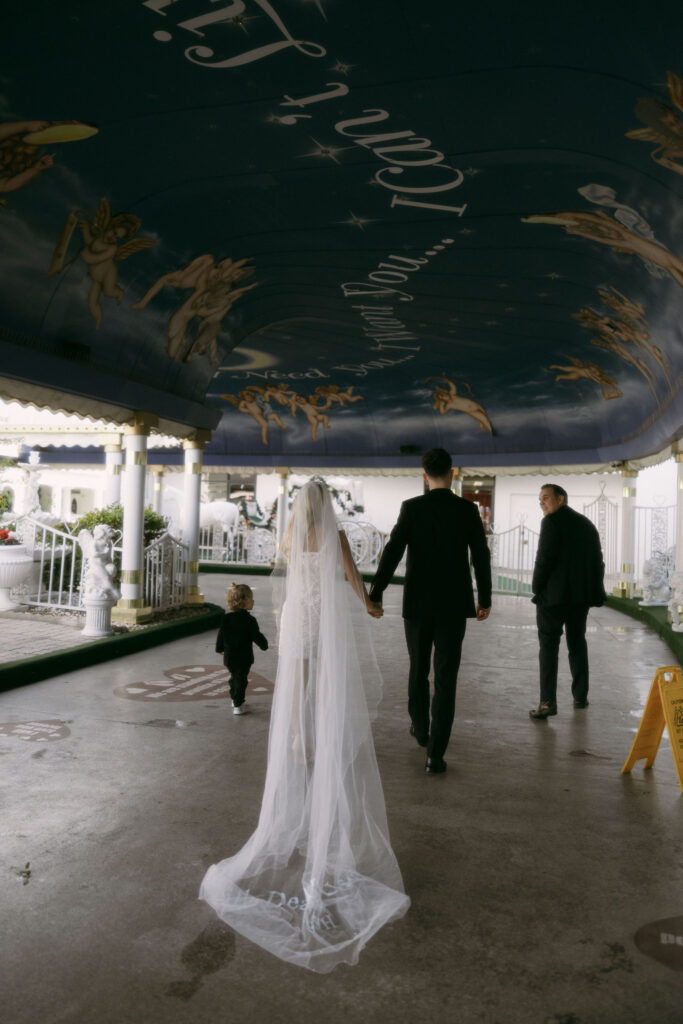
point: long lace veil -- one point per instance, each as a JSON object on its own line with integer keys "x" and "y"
{"x": 318, "y": 877}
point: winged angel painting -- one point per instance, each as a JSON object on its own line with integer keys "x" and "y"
{"x": 106, "y": 240}
{"x": 663, "y": 125}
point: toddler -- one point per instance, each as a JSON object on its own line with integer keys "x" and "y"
{"x": 238, "y": 631}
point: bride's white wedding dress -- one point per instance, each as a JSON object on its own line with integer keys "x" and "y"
{"x": 318, "y": 877}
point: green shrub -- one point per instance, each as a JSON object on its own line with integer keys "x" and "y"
{"x": 154, "y": 526}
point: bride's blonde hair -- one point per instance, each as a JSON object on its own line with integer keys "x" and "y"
{"x": 307, "y": 508}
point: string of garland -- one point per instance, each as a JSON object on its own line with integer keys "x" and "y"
{"x": 343, "y": 498}
{"x": 254, "y": 518}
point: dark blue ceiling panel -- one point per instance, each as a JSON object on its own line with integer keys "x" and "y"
{"x": 343, "y": 232}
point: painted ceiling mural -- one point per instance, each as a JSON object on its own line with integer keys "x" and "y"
{"x": 349, "y": 230}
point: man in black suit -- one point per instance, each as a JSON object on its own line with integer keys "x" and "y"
{"x": 440, "y": 530}
{"x": 567, "y": 581}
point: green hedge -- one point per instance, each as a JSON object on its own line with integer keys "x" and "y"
{"x": 45, "y": 666}
{"x": 657, "y": 618}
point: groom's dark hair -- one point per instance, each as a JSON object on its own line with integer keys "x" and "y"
{"x": 436, "y": 463}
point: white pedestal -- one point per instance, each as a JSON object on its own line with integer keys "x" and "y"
{"x": 98, "y": 616}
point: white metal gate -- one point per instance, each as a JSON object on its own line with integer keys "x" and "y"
{"x": 513, "y": 554}
{"x": 604, "y": 514}
{"x": 654, "y": 533}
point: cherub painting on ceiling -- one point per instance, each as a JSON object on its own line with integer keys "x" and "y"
{"x": 213, "y": 294}
{"x": 625, "y": 334}
{"x": 580, "y": 370}
{"x": 332, "y": 393}
{"x": 447, "y": 399}
{"x": 600, "y": 227}
{"x": 107, "y": 239}
{"x": 20, "y": 142}
{"x": 663, "y": 125}
{"x": 256, "y": 402}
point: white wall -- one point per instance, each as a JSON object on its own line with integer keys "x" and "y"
{"x": 516, "y": 497}
{"x": 266, "y": 489}
{"x": 383, "y": 496}
{"x": 656, "y": 486}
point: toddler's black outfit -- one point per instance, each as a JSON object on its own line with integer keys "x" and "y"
{"x": 238, "y": 632}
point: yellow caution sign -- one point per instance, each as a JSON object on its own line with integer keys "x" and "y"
{"x": 663, "y": 707}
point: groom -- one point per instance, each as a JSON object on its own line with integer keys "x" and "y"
{"x": 440, "y": 530}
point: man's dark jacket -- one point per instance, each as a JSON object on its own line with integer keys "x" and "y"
{"x": 237, "y": 632}
{"x": 440, "y": 530}
{"x": 569, "y": 568}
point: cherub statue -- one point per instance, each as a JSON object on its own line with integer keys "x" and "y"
{"x": 656, "y": 589}
{"x": 98, "y": 549}
{"x": 104, "y": 245}
{"x": 676, "y": 602}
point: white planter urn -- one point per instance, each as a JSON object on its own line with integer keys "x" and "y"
{"x": 15, "y": 567}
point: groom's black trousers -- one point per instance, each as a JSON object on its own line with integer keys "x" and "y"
{"x": 443, "y": 635}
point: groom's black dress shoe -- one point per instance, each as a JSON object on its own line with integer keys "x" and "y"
{"x": 420, "y": 740}
{"x": 435, "y": 766}
{"x": 544, "y": 710}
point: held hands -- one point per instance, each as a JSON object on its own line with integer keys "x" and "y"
{"x": 374, "y": 608}
{"x": 482, "y": 613}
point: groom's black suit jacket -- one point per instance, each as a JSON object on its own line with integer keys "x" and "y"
{"x": 440, "y": 530}
{"x": 569, "y": 568}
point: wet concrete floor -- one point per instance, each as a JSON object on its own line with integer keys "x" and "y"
{"x": 532, "y": 863}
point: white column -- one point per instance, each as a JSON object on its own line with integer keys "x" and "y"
{"x": 194, "y": 448}
{"x": 626, "y": 583}
{"x": 282, "y": 505}
{"x": 113, "y": 460}
{"x": 158, "y": 474}
{"x": 678, "y": 558}
{"x": 131, "y": 606}
{"x": 456, "y": 483}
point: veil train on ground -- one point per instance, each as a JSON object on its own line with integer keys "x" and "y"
{"x": 318, "y": 878}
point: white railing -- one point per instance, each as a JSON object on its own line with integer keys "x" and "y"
{"x": 249, "y": 545}
{"x": 165, "y": 573}
{"x": 245, "y": 545}
{"x": 59, "y": 568}
{"x": 513, "y": 553}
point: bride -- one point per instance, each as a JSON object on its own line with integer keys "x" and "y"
{"x": 318, "y": 877}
